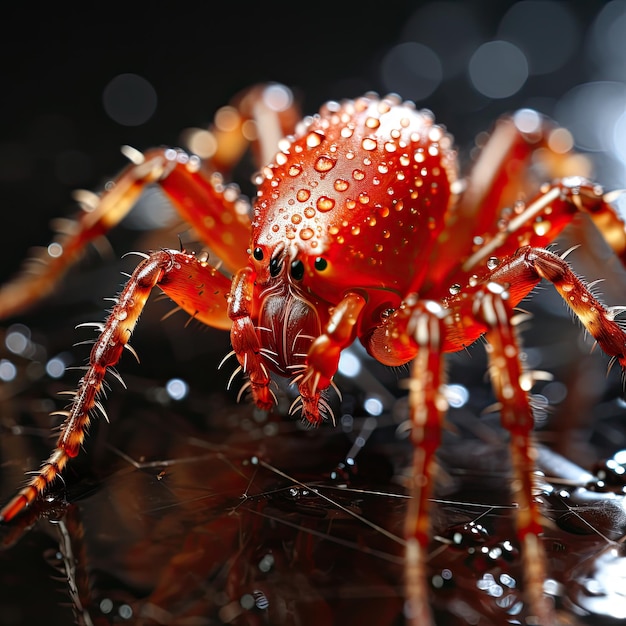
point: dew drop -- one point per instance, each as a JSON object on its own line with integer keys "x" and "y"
{"x": 350, "y": 155}
{"x": 405, "y": 160}
{"x": 324, "y": 164}
{"x": 306, "y": 233}
{"x": 382, "y": 168}
{"x": 303, "y": 195}
{"x": 295, "y": 170}
{"x": 356, "y": 230}
{"x": 390, "y": 146}
{"x": 542, "y": 227}
{"x": 454, "y": 289}
{"x": 346, "y": 132}
{"x": 314, "y": 139}
{"x": 309, "y": 212}
{"x": 325, "y": 203}
{"x": 341, "y": 184}
{"x": 369, "y": 144}
{"x": 378, "y": 247}
{"x": 364, "y": 198}
{"x": 296, "y": 218}
{"x": 358, "y": 174}
{"x": 372, "y": 122}
{"x": 492, "y": 263}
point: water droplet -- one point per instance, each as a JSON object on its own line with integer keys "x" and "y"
{"x": 325, "y": 203}
{"x": 349, "y": 155}
{"x": 356, "y": 230}
{"x": 346, "y": 132}
{"x": 372, "y": 122}
{"x": 306, "y": 233}
{"x": 364, "y": 198}
{"x": 369, "y": 144}
{"x": 309, "y": 212}
{"x": 542, "y": 227}
{"x": 383, "y": 211}
{"x": 295, "y": 170}
{"x": 358, "y": 174}
{"x": 419, "y": 155}
{"x": 324, "y": 164}
{"x": 303, "y": 195}
{"x": 390, "y": 146}
{"x": 454, "y": 289}
{"x": 492, "y": 263}
{"x": 378, "y": 247}
{"x": 341, "y": 185}
{"x": 405, "y": 160}
{"x": 314, "y": 139}
{"x": 382, "y": 168}
{"x": 296, "y": 218}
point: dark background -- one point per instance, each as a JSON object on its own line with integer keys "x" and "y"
{"x": 55, "y": 134}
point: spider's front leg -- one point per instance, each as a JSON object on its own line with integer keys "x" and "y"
{"x": 322, "y": 358}
{"x": 194, "y": 285}
{"x": 245, "y": 340}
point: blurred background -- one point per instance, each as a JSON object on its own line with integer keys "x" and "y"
{"x": 76, "y": 85}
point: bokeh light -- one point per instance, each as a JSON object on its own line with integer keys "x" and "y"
{"x": 129, "y": 100}
{"x": 411, "y": 69}
{"x": 531, "y": 25}
{"x": 498, "y": 69}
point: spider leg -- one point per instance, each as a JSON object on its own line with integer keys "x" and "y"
{"x": 427, "y": 410}
{"x": 516, "y": 415}
{"x": 245, "y": 340}
{"x": 217, "y": 212}
{"x": 528, "y": 265}
{"x": 506, "y": 203}
{"x": 195, "y": 286}
{"x": 322, "y": 358}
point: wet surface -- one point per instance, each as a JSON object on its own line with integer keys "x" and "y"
{"x": 252, "y": 519}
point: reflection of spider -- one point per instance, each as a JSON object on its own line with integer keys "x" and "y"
{"x": 360, "y": 228}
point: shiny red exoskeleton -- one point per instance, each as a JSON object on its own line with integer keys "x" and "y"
{"x": 362, "y": 228}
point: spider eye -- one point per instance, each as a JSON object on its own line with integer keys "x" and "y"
{"x": 258, "y": 254}
{"x": 275, "y": 266}
{"x": 321, "y": 264}
{"x": 297, "y": 270}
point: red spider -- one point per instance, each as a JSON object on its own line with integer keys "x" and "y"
{"x": 361, "y": 228}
